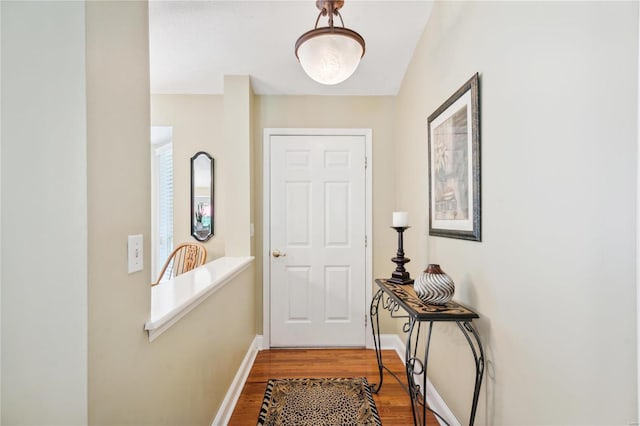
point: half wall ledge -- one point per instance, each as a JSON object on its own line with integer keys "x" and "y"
{"x": 173, "y": 299}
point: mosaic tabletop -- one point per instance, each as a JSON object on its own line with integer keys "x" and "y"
{"x": 405, "y": 296}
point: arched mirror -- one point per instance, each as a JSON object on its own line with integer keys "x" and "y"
{"x": 202, "y": 196}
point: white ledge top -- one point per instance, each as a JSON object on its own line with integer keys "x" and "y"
{"x": 173, "y": 299}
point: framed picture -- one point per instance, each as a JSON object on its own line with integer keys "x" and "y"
{"x": 454, "y": 165}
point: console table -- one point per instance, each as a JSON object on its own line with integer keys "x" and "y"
{"x": 394, "y": 297}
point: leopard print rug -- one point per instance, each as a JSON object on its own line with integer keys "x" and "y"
{"x": 318, "y": 402}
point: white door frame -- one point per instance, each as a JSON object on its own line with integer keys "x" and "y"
{"x": 266, "y": 219}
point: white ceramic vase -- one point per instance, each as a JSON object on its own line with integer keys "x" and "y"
{"x": 433, "y": 286}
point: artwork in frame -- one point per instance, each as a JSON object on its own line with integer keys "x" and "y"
{"x": 454, "y": 165}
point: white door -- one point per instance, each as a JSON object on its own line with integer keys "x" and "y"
{"x": 317, "y": 215}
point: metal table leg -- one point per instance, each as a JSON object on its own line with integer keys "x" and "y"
{"x": 375, "y": 327}
{"x": 391, "y": 306}
{"x": 478, "y": 356}
{"x": 415, "y": 366}
{"x": 410, "y": 365}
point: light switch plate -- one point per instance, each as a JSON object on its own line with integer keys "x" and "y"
{"x": 134, "y": 253}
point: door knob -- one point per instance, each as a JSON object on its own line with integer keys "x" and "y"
{"x": 276, "y": 253}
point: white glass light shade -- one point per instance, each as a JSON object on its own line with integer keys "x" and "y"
{"x": 330, "y": 58}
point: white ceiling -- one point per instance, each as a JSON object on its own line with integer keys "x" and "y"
{"x": 193, "y": 44}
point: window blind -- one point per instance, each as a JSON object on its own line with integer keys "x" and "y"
{"x": 164, "y": 176}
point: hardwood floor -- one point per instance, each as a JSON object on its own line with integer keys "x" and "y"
{"x": 392, "y": 401}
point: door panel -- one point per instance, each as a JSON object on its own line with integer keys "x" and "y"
{"x": 317, "y": 211}
{"x": 298, "y": 291}
{"x": 337, "y": 293}
{"x": 298, "y": 214}
{"x": 336, "y": 214}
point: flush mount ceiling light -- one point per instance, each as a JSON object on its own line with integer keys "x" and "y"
{"x": 329, "y": 55}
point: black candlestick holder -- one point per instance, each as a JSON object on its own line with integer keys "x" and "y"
{"x": 400, "y": 275}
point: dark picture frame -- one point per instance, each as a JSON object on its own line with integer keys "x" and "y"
{"x": 202, "y": 196}
{"x": 454, "y": 165}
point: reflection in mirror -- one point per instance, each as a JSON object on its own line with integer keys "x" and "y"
{"x": 202, "y": 196}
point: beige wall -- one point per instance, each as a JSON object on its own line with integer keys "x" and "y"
{"x": 44, "y": 214}
{"x": 198, "y": 125}
{"x": 553, "y": 279}
{"x": 183, "y": 375}
{"x": 236, "y": 170}
{"x": 374, "y": 112}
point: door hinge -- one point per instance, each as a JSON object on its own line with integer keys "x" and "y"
{"x": 366, "y": 242}
{"x": 366, "y": 320}
{"x": 366, "y": 162}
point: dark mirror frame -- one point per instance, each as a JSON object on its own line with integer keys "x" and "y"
{"x": 198, "y": 232}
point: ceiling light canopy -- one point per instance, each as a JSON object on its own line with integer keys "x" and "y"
{"x": 329, "y": 55}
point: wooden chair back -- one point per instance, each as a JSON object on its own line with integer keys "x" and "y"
{"x": 183, "y": 258}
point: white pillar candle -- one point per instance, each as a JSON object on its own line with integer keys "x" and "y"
{"x": 400, "y": 219}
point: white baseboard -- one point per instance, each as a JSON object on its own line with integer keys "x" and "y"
{"x": 235, "y": 389}
{"x": 435, "y": 401}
